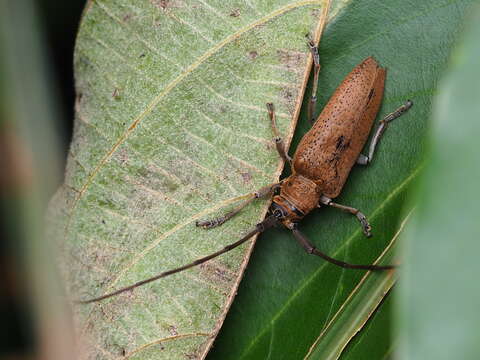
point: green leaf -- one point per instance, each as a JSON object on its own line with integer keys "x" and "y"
{"x": 375, "y": 338}
{"x": 171, "y": 127}
{"x": 356, "y": 310}
{"x": 287, "y": 297}
{"x": 439, "y": 298}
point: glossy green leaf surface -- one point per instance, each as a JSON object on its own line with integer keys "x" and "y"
{"x": 375, "y": 340}
{"x": 287, "y": 297}
{"x": 171, "y": 127}
{"x": 357, "y": 309}
{"x": 439, "y": 298}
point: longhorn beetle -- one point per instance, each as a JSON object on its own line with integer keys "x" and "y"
{"x": 321, "y": 163}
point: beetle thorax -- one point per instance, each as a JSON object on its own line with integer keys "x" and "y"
{"x": 298, "y": 196}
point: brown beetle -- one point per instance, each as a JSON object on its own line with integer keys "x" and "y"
{"x": 321, "y": 164}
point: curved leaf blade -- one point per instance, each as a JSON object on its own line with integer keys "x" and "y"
{"x": 357, "y": 308}
{"x": 171, "y": 128}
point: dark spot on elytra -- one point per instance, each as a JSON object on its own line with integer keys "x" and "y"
{"x": 235, "y": 13}
{"x": 252, "y": 54}
{"x": 370, "y": 95}
{"x": 340, "y": 142}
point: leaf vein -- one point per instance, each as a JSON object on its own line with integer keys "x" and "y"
{"x": 229, "y": 155}
{"x": 155, "y": 165}
{"x": 165, "y": 339}
{"x": 228, "y": 129}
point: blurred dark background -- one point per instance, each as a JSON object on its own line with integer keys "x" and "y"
{"x": 59, "y": 21}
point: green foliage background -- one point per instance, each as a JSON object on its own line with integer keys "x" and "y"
{"x": 439, "y": 295}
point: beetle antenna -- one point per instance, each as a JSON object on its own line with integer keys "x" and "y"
{"x": 264, "y": 225}
{"x": 311, "y": 249}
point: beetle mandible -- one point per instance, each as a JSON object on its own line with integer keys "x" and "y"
{"x": 321, "y": 164}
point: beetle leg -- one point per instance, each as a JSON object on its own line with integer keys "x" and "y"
{"x": 278, "y": 139}
{"x": 261, "y": 193}
{"x": 311, "y": 249}
{"x": 316, "y": 71}
{"x": 364, "y": 159}
{"x": 360, "y": 216}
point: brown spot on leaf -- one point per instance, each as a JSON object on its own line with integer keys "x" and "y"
{"x": 235, "y": 13}
{"x": 163, "y": 4}
{"x": 217, "y": 274}
{"x": 168, "y": 4}
{"x": 151, "y": 177}
{"x": 122, "y": 156}
{"x": 222, "y": 275}
{"x": 292, "y": 60}
{"x": 288, "y": 96}
{"x": 78, "y": 101}
{"x": 252, "y": 54}
{"x": 172, "y": 329}
{"x": 246, "y": 177}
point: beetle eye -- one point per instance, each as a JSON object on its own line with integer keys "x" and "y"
{"x": 278, "y": 213}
